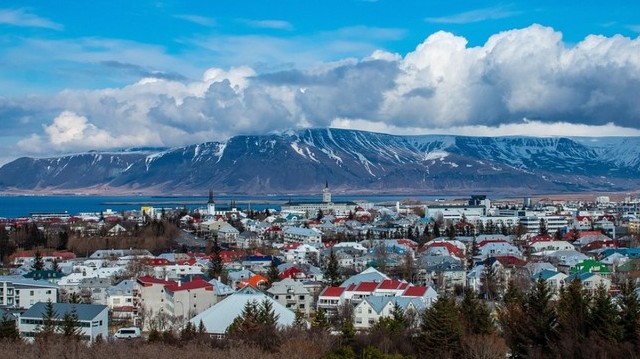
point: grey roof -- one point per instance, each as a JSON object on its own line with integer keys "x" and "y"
{"x": 238, "y": 275}
{"x": 218, "y": 318}
{"x": 379, "y": 302}
{"x": 124, "y": 287}
{"x": 368, "y": 275}
{"x": 85, "y": 311}
{"x": 20, "y": 280}
{"x": 221, "y": 288}
{"x": 283, "y": 287}
{"x": 545, "y": 274}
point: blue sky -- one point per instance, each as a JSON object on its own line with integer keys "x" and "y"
{"x": 81, "y": 75}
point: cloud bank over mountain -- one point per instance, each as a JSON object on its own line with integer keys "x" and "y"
{"x": 523, "y": 81}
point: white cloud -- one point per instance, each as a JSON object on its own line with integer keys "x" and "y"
{"x": 477, "y": 15}
{"x": 70, "y": 132}
{"x": 270, "y": 24}
{"x": 443, "y": 86}
{"x": 531, "y": 128}
{"x": 22, "y": 18}
{"x": 197, "y": 19}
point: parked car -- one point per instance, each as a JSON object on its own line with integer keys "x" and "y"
{"x": 127, "y": 333}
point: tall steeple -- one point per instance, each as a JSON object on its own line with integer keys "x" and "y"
{"x": 326, "y": 194}
{"x": 211, "y": 204}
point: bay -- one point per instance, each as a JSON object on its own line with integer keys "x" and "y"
{"x": 23, "y": 206}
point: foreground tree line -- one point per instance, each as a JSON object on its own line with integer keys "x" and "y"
{"x": 574, "y": 323}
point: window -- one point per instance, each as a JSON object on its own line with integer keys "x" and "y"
{"x": 31, "y": 293}
{"x": 302, "y": 297}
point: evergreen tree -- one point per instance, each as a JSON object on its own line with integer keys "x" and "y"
{"x": 273, "y": 275}
{"x": 38, "y": 261}
{"x": 492, "y": 282}
{"x": 441, "y": 330}
{"x": 572, "y": 312}
{"x": 543, "y": 227}
{"x": 603, "y": 317}
{"x": 513, "y": 321}
{"x": 473, "y": 253}
{"x": 332, "y": 272}
{"x": 266, "y": 314}
{"x": 629, "y": 312}
{"x": 436, "y": 229}
{"x": 8, "y": 328}
{"x": 540, "y": 316}
{"x": 396, "y": 322}
{"x": 49, "y": 318}
{"x": 201, "y": 329}
{"x": 320, "y": 320}
{"x": 55, "y": 266}
{"x": 247, "y": 321}
{"x": 476, "y": 316}
{"x": 71, "y": 325}
{"x": 188, "y": 332}
{"x": 299, "y": 320}
{"x": 216, "y": 264}
{"x": 558, "y": 235}
{"x": 451, "y": 232}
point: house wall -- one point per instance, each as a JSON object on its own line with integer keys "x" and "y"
{"x": 191, "y": 302}
{"x": 26, "y": 296}
{"x": 89, "y": 329}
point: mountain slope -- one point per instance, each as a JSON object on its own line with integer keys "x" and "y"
{"x": 352, "y": 161}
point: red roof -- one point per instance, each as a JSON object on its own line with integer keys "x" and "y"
{"x": 332, "y": 292}
{"x": 415, "y": 291}
{"x": 290, "y": 246}
{"x": 291, "y": 273}
{"x": 452, "y": 248}
{"x": 196, "y": 283}
{"x": 147, "y": 281}
{"x": 156, "y": 261}
{"x": 591, "y": 233}
{"x": 392, "y": 284}
{"x": 510, "y": 260}
{"x": 366, "y": 287}
{"x": 188, "y": 262}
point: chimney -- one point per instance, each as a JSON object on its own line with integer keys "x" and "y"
{"x": 179, "y": 283}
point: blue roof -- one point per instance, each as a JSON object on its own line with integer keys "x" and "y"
{"x": 84, "y": 311}
{"x": 545, "y": 274}
{"x": 580, "y": 276}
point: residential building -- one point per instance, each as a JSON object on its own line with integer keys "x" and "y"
{"x": 185, "y": 300}
{"x": 19, "y": 292}
{"x": 93, "y": 319}
{"x": 293, "y": 295}
{"x": 217, "y": 319}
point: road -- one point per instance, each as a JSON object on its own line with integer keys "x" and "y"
{"x": 190, "y": 240}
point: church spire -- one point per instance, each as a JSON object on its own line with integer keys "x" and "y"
{"x": 211, "y": 197}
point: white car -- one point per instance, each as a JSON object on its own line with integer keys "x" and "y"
{"x": 127, "y": 333}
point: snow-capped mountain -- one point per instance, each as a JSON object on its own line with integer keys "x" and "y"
{"x": 352, "y": 161}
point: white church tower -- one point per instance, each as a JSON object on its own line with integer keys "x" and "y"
{"x": 326, "y": 194}
{"x": 211, "y": 204}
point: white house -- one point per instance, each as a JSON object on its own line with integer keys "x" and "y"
{"x": 292, "y": 294}
{"x": 93, "y": 319}
{"x": 19, "y": 292}
{"x": 218, "y": 318}
{"x": 186, "y": 300}
{"x": 371, "y": 309}
{"x": 302, "y": 235}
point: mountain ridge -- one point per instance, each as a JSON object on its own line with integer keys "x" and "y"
{"x": 299, "y": 162}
